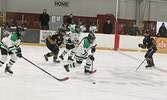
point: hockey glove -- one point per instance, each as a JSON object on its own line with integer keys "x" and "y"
{"x": 70, "y": 46}
{"x": 69, "y": 41}
{"x": 18, "y": 53}
{"x": 93, "y": 49}
{"x": 77, "y": 42}
{"x": 141, "y": 45}
{"x": 91, "y": 57}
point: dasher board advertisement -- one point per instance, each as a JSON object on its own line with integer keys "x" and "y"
{"x": 44, "y": 34}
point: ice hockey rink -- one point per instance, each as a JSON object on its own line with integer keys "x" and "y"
{"x": 115, "y": 78}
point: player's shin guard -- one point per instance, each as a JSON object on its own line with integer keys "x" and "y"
{"x": 88, "y": 65}
{"x": 149, "y": 62}
{"x": 88, "y": 68}
{"x": 55, "y": 59}
{"x": 76, "y": 64}
{"x": 49, "y": 54}
{"x": 73, "y": 65}
{"x": 63, "y": 54}
{"x": 152, "y": 62}
{"x": 11, "y": 62}
{"x": 1, "y": 63}
{"x": 71, "y": 55}
{"x": 3, "y": 60}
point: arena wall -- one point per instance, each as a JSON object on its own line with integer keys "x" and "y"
{"x": 127, "y": 8}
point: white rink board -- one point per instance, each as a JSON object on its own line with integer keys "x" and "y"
{"x": 130, "y": 42}
{"x": 102, "y": 40}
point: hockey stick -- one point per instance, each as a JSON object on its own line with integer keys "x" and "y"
{"x": 143, "y": 61}
{"x": 92, "y": 60}
{"x": 63, "y": 79}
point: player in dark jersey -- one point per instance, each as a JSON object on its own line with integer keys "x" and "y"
{"x": 150, "y": 44}
{"x": 53, "y": 43}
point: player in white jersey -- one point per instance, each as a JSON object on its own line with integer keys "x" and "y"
{"x": 82, "y": 54}
{"x": 82, "y": 27}
{"x": 93, "y": 28}
{"x": 72, "y": 26}
{"x": 10, "y": 46}
{"x": 71, "y": 40}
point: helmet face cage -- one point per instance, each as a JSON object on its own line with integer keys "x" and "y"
{"x": 19, "y": 30}
{"x": 62, "y": 31}
{"x": 91, "y": 36}
{"x": 146, "y": 33}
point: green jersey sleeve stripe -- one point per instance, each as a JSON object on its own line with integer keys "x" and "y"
{"x": 12, "y": 49}
{"x": 3, "y": 45}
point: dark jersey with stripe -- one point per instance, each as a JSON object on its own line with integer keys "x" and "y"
{"x": 55, "y": 39}
{"x": 149, "y": 42}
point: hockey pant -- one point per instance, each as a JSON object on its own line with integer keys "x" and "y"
{"x": 149, "y": 56}
{"x": 4, "y": 56}
{"x": 54, "y": 50}
{"x": 78, "y": 61}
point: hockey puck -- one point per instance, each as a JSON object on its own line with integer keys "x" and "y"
{"x": 94, "y": 83}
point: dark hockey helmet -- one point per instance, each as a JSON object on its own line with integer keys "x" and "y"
{"x": 91, "y": 37}
{"x": 62, "y": 31}
{"x": 146, "y": 33}
{"x": 19, "y": 30}
{"x": 77, "y": 28}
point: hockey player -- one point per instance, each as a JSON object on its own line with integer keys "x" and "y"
{"x": 53, "y": 42}
{"x": 82, "y": 54}
{"x": 71, "y": 40}
{"x": 82, "y": 27}
{"x": 72, "y": 26}
{"x": 10, "y": 46}
{"x": 93, "y": 28}
{"x": 150, "y": 44}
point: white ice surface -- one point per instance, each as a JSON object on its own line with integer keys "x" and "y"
{"x": 115, "y": 78}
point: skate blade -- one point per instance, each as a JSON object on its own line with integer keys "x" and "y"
{"x": 91, "y": 73}
{"x": 7, "y": 73}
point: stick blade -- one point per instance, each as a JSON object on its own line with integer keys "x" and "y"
{"x": 64, "y": 79}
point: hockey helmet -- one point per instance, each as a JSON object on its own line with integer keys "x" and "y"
{"x": 19, "y": 30}
{"x": 91, "y": 37}
{"x": 77, "y": 28}
{"x": 62, "y": 31}
{"x": 146, "y": 33}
